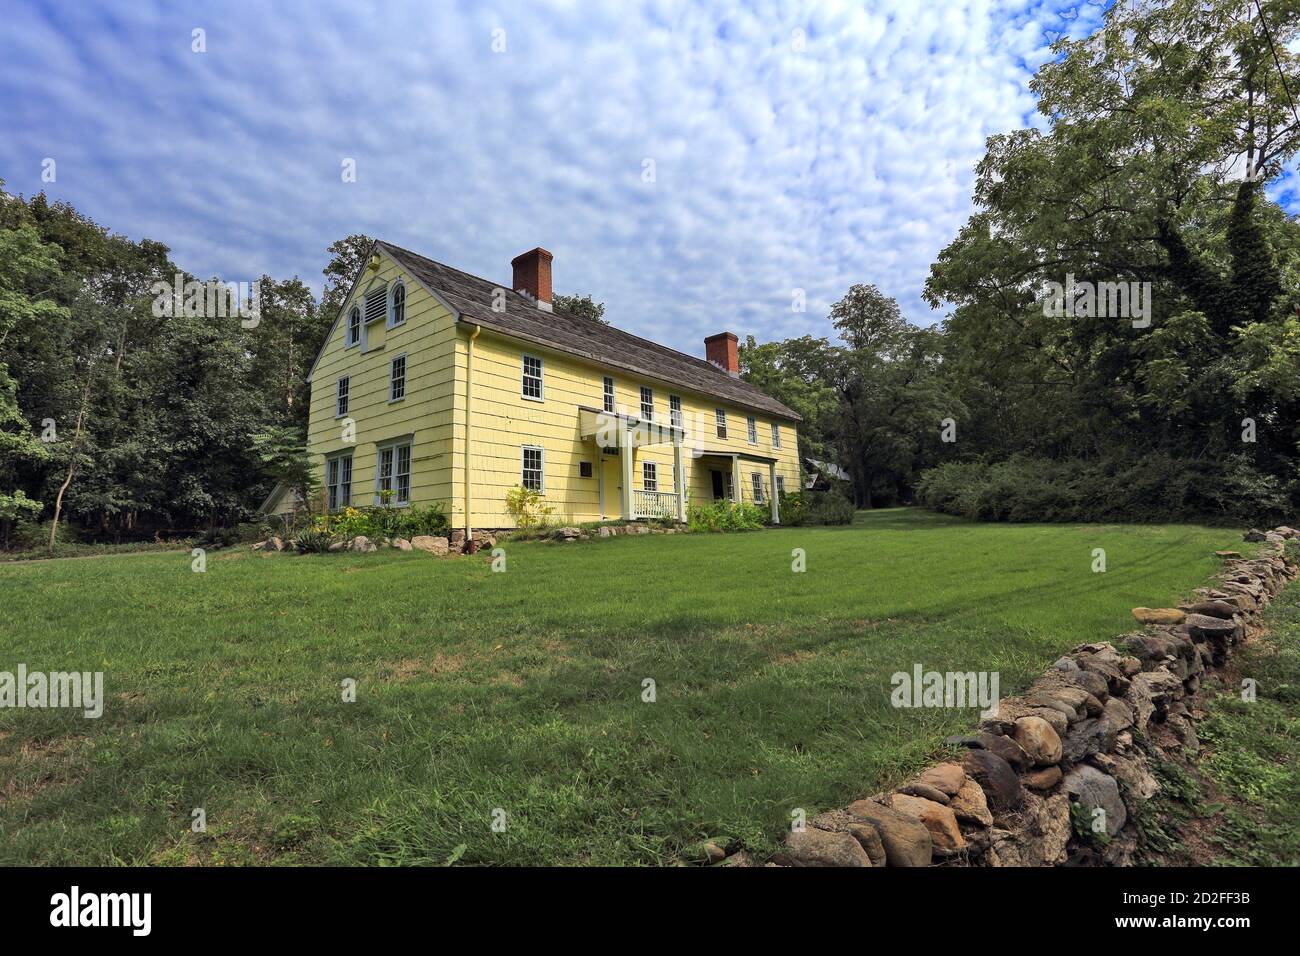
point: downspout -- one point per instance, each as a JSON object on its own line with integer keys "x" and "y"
{"x": 469, "y": 418}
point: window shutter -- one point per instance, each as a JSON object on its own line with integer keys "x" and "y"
{"x": 376, "y": 305}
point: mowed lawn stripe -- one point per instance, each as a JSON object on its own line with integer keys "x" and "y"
{"x": 523, "y": 691}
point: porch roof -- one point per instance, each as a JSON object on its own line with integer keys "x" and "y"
{"x": 626, "y": 431}
{"x": 742, "y": 455}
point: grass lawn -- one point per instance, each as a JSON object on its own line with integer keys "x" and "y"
{"x": 523, "y": 690}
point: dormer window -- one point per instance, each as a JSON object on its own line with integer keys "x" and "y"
{"x": 354, "y": 326}
{"x": 397, "y": 304}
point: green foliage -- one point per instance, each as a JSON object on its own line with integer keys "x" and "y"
{"x": 584, "y": 306}
{"x": 315, "y": 541}
{"x": 384, "y": 521}
{"x": 815, "y": 508}
{"x": 1156, "y": 488}
{"x": 720, "y": 516}
{"x": 527, "y": 508}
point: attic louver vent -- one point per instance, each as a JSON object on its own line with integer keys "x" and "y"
{"x": 375, "y": 305}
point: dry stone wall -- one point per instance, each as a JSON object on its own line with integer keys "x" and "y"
{"x": 1053, "y": 769}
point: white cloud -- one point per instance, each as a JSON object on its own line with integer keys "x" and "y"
{"x": 848, "y": 162}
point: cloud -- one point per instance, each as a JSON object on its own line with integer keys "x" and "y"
{"x": 794, "y": 147}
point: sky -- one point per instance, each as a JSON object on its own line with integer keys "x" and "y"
{"x": 690, "y": 164}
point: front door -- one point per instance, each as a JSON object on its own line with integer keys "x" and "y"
{"x": 719, "y": 489}
{"x": 611, "y": 486}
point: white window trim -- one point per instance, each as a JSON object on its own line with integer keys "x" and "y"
{"x": 608, "y": 395}
{"x": 649, "y": 474}
{"x": 392, "y": 292}
{"x": 337, "y": 460}
{"x": 780, "y": 486}
{"x": 776, "y": 435}
{"x": 675, "y": 416}
{"x": 541, "y": 466}
{"x": 348, "y": 341}
{"x": 541, "y": 377}
{"x": 406, "y": 378}
{"x": 641, "y": 404}
{"x": 720, "y": 422}
{"x": 393, "y": 444}
{"x": 756, "y": 487}
{"x": 341, "y": 379}
{"x": 751, "y": 429}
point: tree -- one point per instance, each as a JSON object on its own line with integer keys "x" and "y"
{"x": 583, "y": 306}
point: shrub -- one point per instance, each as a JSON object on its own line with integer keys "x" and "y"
{"x": 219, "y": 538}
{"x": 726, "y": 516}
{"x": 384, "y": 521}
{"x": 527, "y": 508}
{"x": 1155, "y": 488}
{"x": 312, "y": 541}
{"x": 816, "y": 508}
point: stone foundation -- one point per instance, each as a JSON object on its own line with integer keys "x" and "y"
{"x": 1059, "y": 774}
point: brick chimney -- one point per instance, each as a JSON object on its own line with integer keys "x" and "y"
{"x": 533, "y": 276}
{"x": 722, "y": 351}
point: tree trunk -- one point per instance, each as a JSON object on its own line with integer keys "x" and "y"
{"x": 72, "y": 454}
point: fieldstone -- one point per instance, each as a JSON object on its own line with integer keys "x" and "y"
{"x": 948, "y": 777}
{"x": 1094, "y": 735}
{"x": 1227, "y": 554}
{"x": 1211, "y": 609}
{"x": 906, "y": 841}
{"x": 841, "y": 821}
{"x": 1044, "y": 778}
{"x": 739, "y": 858}
{"x": 340, "y": 545}
{"x": 433, "y": 544}
{"x": 1204, "y": 627}
{"x": 1133, "y": 775}
{"x": 925, "y": 791}
{"x": 970, "y": 805}
{"x": 1096, "y": 790}
{"x": 1158, "y": 615}
{"x": 813, "y": 847}
{"x": 1009, "y": 709}
{"x": 362, "y": 545}
{"x": 605, "y": 531}
{"x": 1095, "y": 684}
{"x": 1038, "y": 740}
{"x": 945, "y": 836}
{"x": 401, "y": 544}
{"x": 1038, "y": 837}
{"x": 1254, "y": 534}
{"x": 567, "y": 534}
{"x": 1119, "y": 713}
{"x": 1006, "y": 748}
{"x": 995, "y": 777}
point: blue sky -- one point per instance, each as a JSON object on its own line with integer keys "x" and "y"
{"x": 778, "y": 164}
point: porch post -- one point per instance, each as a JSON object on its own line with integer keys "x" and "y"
{"x": 776, "y": 505}
{"x": 737, "y": 490}
{"x": 626, "y": 452}
{"x": 679, "y": 479}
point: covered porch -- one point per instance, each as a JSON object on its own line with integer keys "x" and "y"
{"x": 617, "y": 435}
{"x": 743, "y": 476}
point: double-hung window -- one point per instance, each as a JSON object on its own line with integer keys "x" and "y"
{"x": 780, "y": 486}
{"x": 647, "y": 403}
{"x": 757, "y": 483}
{"x": 397, "y": 305}
{"x": 776, "y": 435}
{"x": 393, "y": 473}
{"x": 649, "y": 476}
{"x": 532, "y": 380}
{"x": 397, "y": 379}
{"x": 532, "y": 460}
{"x": 354, "y": 326}
{"x": 609, "y": 394}
{"x": 338, "y": 481}
{"x": 341, "y": 398}
{"x": 675, "y": 410}
{"x": 721, "y": 417}
{"x": 753, "y": 430}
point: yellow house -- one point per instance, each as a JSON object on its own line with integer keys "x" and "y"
{"x": 438, "y": 386}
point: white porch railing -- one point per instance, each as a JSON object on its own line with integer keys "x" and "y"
{"x": 653, "y": 504}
